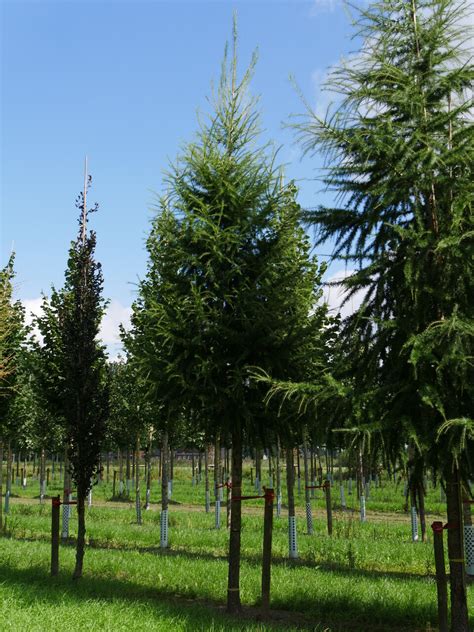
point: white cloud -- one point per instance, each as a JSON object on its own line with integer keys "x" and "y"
{"x": 115, "y": 315}
{"x": 33, "y": 308}
{"x": 335, "y": 295}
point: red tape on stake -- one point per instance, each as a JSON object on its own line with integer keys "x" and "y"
{"x": 438, "y": 526}
{"x": 58, "y": 503}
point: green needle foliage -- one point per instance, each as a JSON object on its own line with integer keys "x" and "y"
{"x": 399, "y": 151}
{"x": 230, "y": 286}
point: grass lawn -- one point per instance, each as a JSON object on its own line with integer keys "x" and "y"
{"x": 366, "y": 577}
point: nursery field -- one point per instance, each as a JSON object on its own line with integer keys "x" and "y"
{"x": 366, "y": 576}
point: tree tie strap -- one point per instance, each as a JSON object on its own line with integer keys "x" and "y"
{"x": 438, "y": 526}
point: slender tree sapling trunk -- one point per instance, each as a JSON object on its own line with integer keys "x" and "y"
{"x": 309, "y": 516}
{"x": 137, "y": 483}
{"x": 148, "y": 475}
{"x": 81, "y": 530}
{"x": 206, "y": 478}
{"x": 290, "y": 484}
{"x": 457, "y": 567}
{"x": 66, "y": 492}
{"x": 233, "y": 586}
{"x": 421, "y": 509}
{"x": 127, "y": 471}
{"x": 9, "y": 468}
{"x": 164, "y": 492}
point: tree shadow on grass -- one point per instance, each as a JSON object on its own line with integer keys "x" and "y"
{"x": 345, "y": 611}
{"x": 193, "y": 613}
{"x": 199, "y": 614}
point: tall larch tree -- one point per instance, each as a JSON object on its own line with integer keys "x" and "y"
{"x": 399, "y": 150}
{"x": 229, "y": 286}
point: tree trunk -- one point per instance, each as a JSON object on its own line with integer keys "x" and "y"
{"x": 233, "y": 586}
{"x": 164, "y": 493}
{"x": 9, "y": 476}
{"x": 258, "y": 471}
{"x": 467, "y": 506}
{"x": 217, "y": 461}
{"x": 42, "y": 474}
{"x": 171, "y": 470}
{"x": 421, "y": 509}
{"x": 290, "y": 483}
{"x": 164, "y": 473}
{"x": 309, "y": 514}
{"x": 66, "y": 492}
{"x": 278, "y": 478}
{"x": 313, "y": 470}
{"x": 81, "y": 532}
{"x": 206, "y": 478}
{"x": 148, "y": 475}
{"x": 320, "y": 468}
{"x": 127, "y": 472}
{"x": 457, "y": 567}
{"x": 298, "y": 469}
{"x": 138, "y": 506}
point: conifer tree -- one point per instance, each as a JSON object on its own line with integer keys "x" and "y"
{"x": 230, "y": 286}
{"x": 399, "y": 152}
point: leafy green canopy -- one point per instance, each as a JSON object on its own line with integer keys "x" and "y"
{"x": 71, "y": 363}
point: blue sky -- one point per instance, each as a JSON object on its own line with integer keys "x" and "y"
{"x": 122, "y": 82}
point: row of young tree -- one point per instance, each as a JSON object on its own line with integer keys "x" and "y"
{"x": 230, "y": 338}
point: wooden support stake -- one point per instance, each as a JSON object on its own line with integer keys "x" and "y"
{"x": 114, "y": 483}
{"x": 55, "y": 510}
{"x": 267, "y": 548}
{"x": 441, "y": 582}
